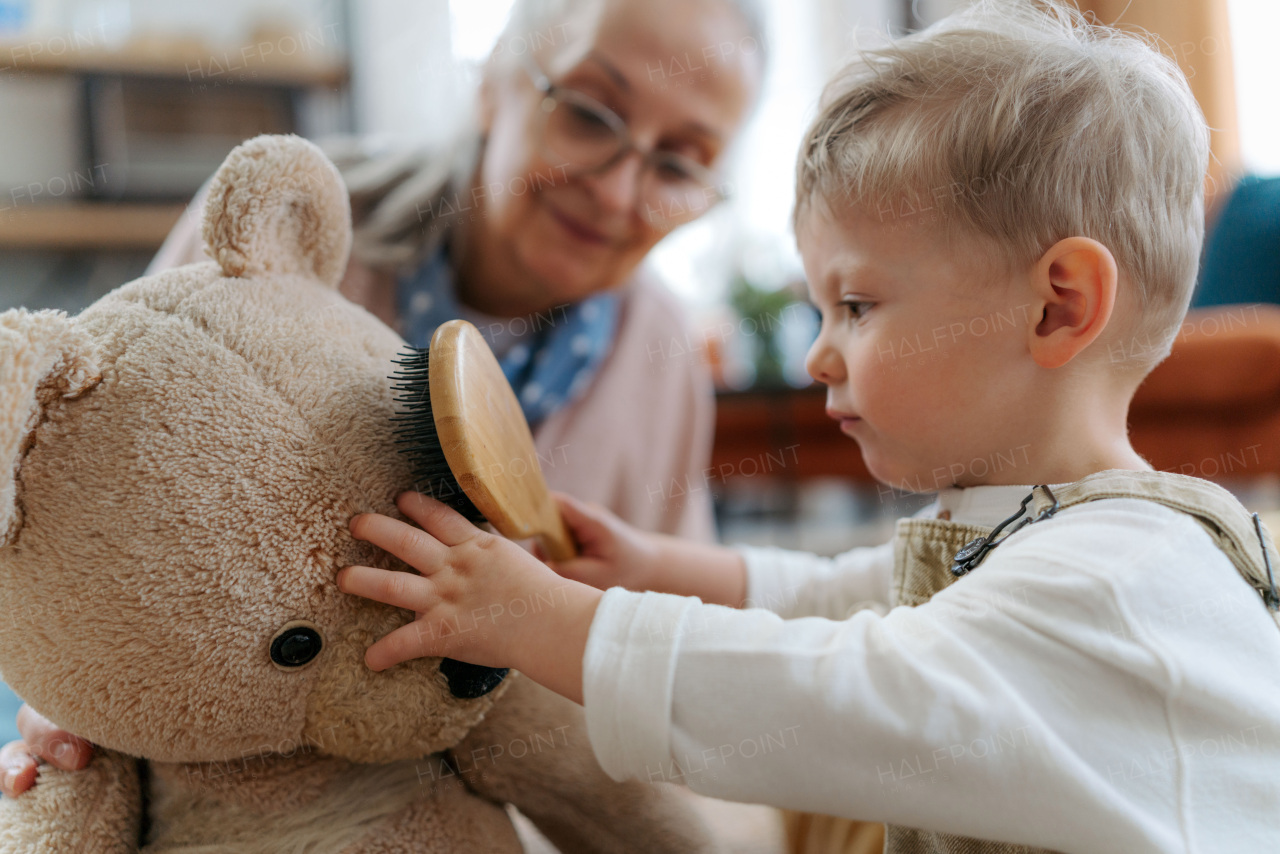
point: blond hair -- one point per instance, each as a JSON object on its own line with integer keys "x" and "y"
{"x": 1024, "y": 122}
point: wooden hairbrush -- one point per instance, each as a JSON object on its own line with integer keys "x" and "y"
{"x": 470, "y": 447}
{"x": 468, "y": 440}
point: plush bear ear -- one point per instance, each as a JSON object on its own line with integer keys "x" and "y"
{"x": 43, "y": 356}
{"x": 277, "y": 205}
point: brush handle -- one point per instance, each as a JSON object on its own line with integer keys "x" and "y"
{"x": 556, "y": 541}
{"x": 486, "y": 440}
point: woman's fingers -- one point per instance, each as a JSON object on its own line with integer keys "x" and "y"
{"x": 437, "y": 519}
{"x": 17, "y": 769}
{"x": 401, "y": 589}
{"x": 46, "y": 740}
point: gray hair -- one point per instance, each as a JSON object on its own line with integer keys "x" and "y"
{"x": 537, "y": 24}
{"x": 1026, "y": 123}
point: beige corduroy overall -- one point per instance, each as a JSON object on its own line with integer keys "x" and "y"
{"x": 923, "y": 553}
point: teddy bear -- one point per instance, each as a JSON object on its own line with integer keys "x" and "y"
{"x": 178, "y": 465}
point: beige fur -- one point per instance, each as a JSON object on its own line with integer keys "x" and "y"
{"x": 44, "y": 357}
{"x": 178, "y": 465}
{"x": 269, "y": 211}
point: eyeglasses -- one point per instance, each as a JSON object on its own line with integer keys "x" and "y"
{"x": 587, "y": 137}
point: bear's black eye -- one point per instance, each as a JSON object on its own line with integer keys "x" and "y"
{"x": 295, "y": 645}
{"x": 468, "y": 681}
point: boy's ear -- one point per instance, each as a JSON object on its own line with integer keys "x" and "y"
{"x": 1074, "y": 288}
{"x": 44, "y": 356}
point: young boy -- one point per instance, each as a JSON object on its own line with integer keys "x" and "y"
{"x": 1103, "y": 681}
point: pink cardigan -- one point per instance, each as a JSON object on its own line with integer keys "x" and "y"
{"x": 639, "y": 440}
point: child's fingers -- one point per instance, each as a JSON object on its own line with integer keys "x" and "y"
{"x": 436, "y": 518}
{"x": 51, "y": 743}
{"x": 581, "y": 518}
{"x": 400, "y": 589}
{"x": 17, "y": 769}
{"x": 416, "y": 547}
{"x": 406, "y": 643}
{"x": 568, "y": 504}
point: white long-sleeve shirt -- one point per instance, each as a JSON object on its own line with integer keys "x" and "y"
{"x": 1105, "y": 681}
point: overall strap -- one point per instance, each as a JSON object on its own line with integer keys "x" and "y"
{"x": 922, "y": 554}
{"x": 1240, "y": 535}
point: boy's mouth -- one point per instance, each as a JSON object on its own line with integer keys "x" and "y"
{"x": 846, "y": 419}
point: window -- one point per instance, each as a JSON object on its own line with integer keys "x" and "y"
{"x": 1254, "y": 27}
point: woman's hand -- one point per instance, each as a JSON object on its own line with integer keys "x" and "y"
{"x": 40, "y": 738}
{"x": 478, "y": 598}
{"x": 611, "y": 552}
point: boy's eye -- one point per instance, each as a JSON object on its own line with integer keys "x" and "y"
{"x": 857, "y": 308}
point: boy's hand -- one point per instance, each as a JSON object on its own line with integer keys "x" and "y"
{"x": 611, "y": 552}
{"x": 614, "y": 554}
{"x": 479, "y": 598}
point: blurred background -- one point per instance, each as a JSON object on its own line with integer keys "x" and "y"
{"x": 114, "y": 112}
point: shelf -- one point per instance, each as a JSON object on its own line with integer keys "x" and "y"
{"x": 189, "y": 61}
{"x": 87, "y": 226}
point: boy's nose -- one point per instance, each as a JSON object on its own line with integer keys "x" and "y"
{"x": 823, "y": 362}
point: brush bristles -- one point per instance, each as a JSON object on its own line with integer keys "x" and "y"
{"x": 418, "y": 438}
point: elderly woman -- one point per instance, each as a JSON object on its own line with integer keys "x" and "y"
{"x": 588, "y": 151}
{"x": 599, "y": 128}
